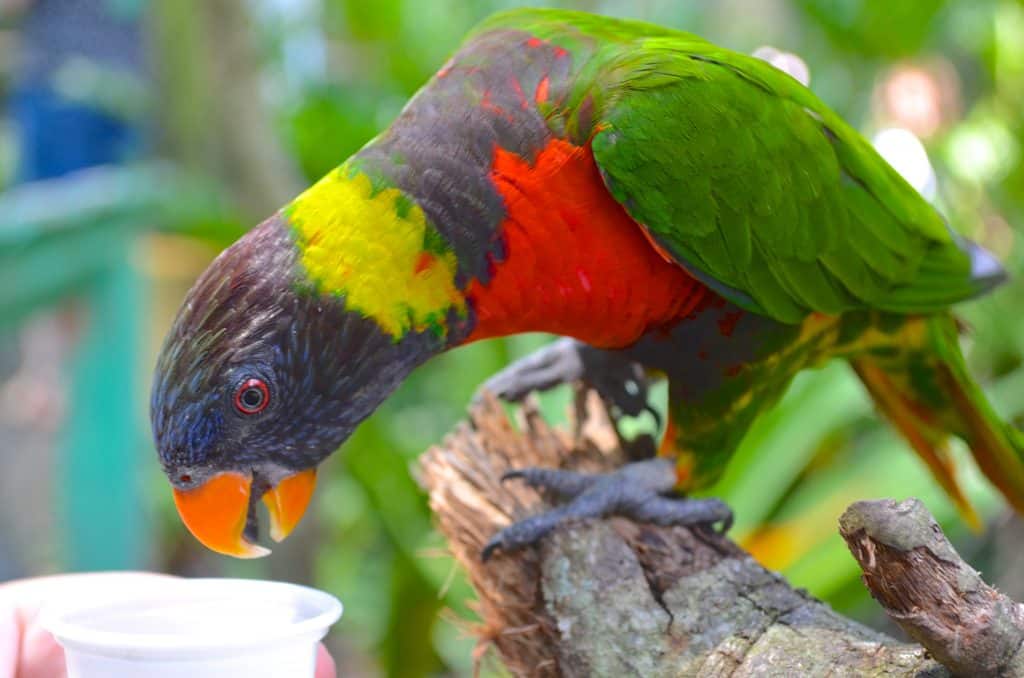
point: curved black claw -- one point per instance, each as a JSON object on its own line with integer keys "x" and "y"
{"x": 634, "y": 491}
{"x": 525, "y": 532}
{"x": 619, "y": 380}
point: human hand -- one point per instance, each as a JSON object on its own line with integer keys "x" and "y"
{"x": 29, "y": 651}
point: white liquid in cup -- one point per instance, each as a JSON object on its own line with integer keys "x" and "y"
{"x": 197, "y": 628}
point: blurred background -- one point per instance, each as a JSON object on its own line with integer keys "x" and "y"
{"x": 138, "y": 138}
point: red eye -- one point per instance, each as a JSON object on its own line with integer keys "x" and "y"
{"x": 252, "y": 397}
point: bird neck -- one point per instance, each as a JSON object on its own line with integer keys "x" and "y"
{"x": 367, "y": 242}
{"x": 567, "y": 257}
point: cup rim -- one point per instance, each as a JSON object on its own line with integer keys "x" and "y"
{"x": 58, "y": 620}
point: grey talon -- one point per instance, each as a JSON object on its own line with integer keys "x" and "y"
{"x": 619, "y": 380}
{"x": 635, "y": 491}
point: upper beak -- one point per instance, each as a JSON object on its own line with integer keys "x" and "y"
{"x": 216, "y": 511}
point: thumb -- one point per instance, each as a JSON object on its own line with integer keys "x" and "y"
{"x": 325, "y": 667}
{"x": 10, "y": 639}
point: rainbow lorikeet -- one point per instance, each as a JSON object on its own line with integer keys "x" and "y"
{"x": 661, "y": 201}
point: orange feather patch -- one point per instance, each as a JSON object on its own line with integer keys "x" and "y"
{"x": 575, "y": 263}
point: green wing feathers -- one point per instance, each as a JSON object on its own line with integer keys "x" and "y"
{"x": 764, "y": 193}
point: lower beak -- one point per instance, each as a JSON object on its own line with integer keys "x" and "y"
{"x": 215, "y": 513}
{"x": 287, "y": 502}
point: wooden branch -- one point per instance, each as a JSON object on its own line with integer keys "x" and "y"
{"x": 615, "y": 598}
{"x": 924, "y": 586}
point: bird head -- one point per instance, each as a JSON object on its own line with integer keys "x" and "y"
{"x": 259, "y": 380}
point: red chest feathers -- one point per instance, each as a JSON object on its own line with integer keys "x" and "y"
{"x": 576, "y": 264}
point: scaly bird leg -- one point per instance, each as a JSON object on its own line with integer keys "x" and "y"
{"x": 619, "y": 380}
{"x": 634, "y": 491}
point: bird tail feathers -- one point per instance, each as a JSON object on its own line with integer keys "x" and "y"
{"x": 928, "y": 395}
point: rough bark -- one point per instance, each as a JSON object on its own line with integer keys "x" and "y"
{"x": 924, "y": 586}
{"x": 614, "y": 598}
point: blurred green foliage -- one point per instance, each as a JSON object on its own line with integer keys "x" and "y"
{"x": 337, "y": 71}
{"x": 875, "y": 28}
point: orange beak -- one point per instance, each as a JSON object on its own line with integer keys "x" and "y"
{"x": 287, "y": 502}
{"x": 216, "y": 511}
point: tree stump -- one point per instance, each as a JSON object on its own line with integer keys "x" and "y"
{"x": 614, "y": 598}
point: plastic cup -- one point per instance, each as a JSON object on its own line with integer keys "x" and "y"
{"x": 197, "y": 628}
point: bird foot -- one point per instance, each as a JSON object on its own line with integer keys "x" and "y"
{"x": 634, "y": 491}
{"x": 620, "y": 381}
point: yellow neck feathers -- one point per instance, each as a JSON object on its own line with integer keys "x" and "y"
{"x": 375, "y": 248}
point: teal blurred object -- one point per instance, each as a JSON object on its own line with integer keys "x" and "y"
{"x": 72, "y": 238}
{"x": 101, "y": 462}
{"x": 58, "y": 235}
